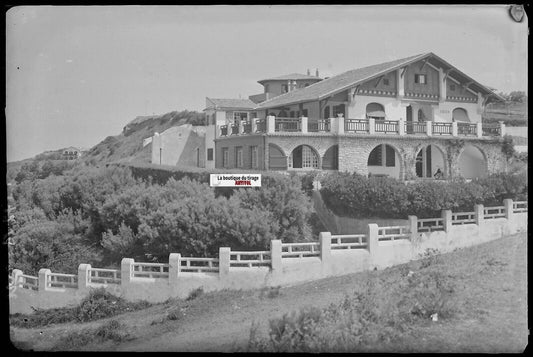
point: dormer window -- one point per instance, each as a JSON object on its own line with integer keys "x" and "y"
{"x": 420, "y": 79}
{"x": 385, "y": 81}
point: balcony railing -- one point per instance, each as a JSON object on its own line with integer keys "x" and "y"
{"x": 442, "y": 128}
{"x": 491, "y": 130}
{"x": 288, "y": 124}
{"x": 415, "y": 127}
{"x": 320, "y": 125}
{"x": 386, "y": 126}
{"x": 356, "y": 125}
{"x": 341, "y": 125}
{"x": 466, "y": 129}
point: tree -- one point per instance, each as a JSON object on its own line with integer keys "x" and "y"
{"x": 517, "y": 96}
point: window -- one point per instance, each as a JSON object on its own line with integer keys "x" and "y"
{"x": 338, "y": 109}
{"x": 385, "y": 81}
{"x": 292, "y": 114}
{"x": 390, "y": 159}
{"x": 238, "y": 157}
{"x": 304, "y": 113}
{"x": 253, "y": 156}
{"x": 303, "y": 157}
{"x": 374, "y": 159}
{"x": 326, "y": 112}
{"x": 225, "y": 157}
{"x": 420, "y": 78}
{"x": 210, "y": 154}
{"x": 452, "y": 86}
{"x": 284, "y": 88}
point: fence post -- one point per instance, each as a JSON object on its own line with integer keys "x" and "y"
{"x": 83, "y": 276}
{"x": 429, "y": 128}
{"x": 502, "y": 129}
{"x": 16, "y": 273}
{"x": 447, "y": 219}
{"x": 479, "y": 129}
{"x": 508, "y": 203}
{"x": 223, "y": 261}
{"x": 401, "y": 127}
{"x": 413, "y": 226}
{"x": 325, "y": 249}
{"x": 455, "y": 130}
{"x": 479, "y": 214}
{"x": 303, "y": 123}
{"x": 126, "y": 270}
{"x": 275, "y": 255}
{"x": 174, "y": 264}
{"x": 371, "y": 126}
{"x": 43, "y": 279}
{"x": 271, "y": 124}
{"x": 372, "y": 244}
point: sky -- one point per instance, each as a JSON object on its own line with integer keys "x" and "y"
{"x": 77, "y": 74}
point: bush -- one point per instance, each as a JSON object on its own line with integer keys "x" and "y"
{"x": 110, "y": 331}
{"x": 195, "y": 293}
{"x": 358, "y": 196}
{"x": 97, "y": 305}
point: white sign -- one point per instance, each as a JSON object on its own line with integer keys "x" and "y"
{"x": 235, "y": 180}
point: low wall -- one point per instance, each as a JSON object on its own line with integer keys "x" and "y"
{"x": 285, "y": 264}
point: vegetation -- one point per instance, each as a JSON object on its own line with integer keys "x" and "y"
{"x": 97, "y": 305}
{"x": 358, "y": 196}
{"x": 109, "y": 331}
{"x": 377, "y": 314}
{"x": 99, "y": 215}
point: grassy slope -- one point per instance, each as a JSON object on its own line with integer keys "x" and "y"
{"x": 491, "y": 317}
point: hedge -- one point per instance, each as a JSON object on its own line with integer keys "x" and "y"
{"x": 354, "y": 195}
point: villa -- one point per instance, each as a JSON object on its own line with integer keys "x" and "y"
{"x": 406, "y": 118}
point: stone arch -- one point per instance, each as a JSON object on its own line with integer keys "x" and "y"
{"x": 304, "y": 157}
{"x": 330, "y": 160}
{"x": 472, "y": 162}
{"x": 375, "y": 110}
{"x": 277, "y": 160}
{"x": 385, "y": 160}
{"x": 460, "y": 114}
{"x": 428, "y": 159}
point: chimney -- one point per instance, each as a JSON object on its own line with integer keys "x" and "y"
{"x": 316, "y": 75}
{"x": 308, "y": 72}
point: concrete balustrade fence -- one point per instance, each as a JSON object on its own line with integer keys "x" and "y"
{"x": 284, "y": 264}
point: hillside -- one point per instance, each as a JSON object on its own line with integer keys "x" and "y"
{"x": 512, "y": 113}
{"x": 128, "y": 145}
{"x": 489, "y": 310}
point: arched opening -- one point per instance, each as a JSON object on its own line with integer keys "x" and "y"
{"x": 430, "y": 163}
{"x": 384, "y": 161}
{"x": 276, "y": 158}
{"x": 330, "y": 161}
{"x": 460, "y": 114}
{"x": 303, "y": 157}
{"x": 472, "y": 163}
{"x": 375, "y": 111}
{"x": 421, "y": 115}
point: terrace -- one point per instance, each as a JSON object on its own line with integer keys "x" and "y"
{"x": 345, "y": 126}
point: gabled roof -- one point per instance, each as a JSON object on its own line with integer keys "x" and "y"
{"x": 217, "y": 103}
{"x": 343, "y": 81}
{"x": 292, "y": 76}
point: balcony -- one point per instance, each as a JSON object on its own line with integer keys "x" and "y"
{"x": 342, "y": 126}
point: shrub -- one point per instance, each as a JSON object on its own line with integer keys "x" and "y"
{"x": 98, "y": 304}
{"x": 357, "y": 196}
{"x": 195, "y": 294}
{"x": 110, "y": 331}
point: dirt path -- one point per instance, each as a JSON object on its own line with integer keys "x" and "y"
{"x": 493, "y": 294}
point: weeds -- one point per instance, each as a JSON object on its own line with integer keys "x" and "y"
{"x": 110, "y": 331}
{"x": 270, "y": 292}
{"x": 373, "y": 317}
{"x": 97, "y": 305}
{"x": 195, "y": 294}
